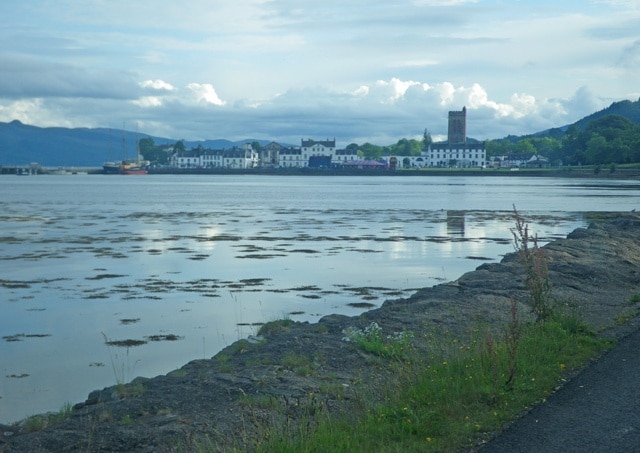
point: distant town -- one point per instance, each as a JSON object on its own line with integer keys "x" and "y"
{"x": 607, "y": 141}
{"x": 456, "y": 152}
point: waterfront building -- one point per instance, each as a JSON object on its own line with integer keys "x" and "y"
{"x": 313, "y": 153}
{"x": 242, "y": 158}
{"x": 456, "y": 151}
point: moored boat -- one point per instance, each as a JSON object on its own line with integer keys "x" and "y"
{"x": 127, "y": 167}
{"x": 111, "y": 168}
{"x": 135, "y": 167}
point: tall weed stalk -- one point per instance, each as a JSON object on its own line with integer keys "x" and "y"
{"x": 536, "y": 271}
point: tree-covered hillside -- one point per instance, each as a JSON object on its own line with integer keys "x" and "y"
{"x": 610, "y": 136}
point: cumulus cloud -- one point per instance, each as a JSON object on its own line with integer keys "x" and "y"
{"x": 204, "y": 92}
{"x": 380, "y": 112}
{"x": 157, "y": 84}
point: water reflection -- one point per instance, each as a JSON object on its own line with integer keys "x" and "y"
{"x": 455, "y": 223}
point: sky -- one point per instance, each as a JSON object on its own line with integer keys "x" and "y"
{"x": 354, "y": 70}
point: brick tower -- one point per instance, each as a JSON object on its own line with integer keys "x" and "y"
{"x": 458, "y": 126}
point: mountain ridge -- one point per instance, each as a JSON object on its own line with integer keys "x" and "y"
{"x": 21, "y": 144}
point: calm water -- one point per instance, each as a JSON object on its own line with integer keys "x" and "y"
{"x": 189, "y": 264}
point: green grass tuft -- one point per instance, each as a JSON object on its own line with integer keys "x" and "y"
{"x": 456, "y": 402}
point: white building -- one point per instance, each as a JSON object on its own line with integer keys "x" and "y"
{"x": 461, "y": 155}
{"x": 291, "y": 158}
{"x": 523, "y": 160}
{"x": 318, "y": 148}
{"x": 322, "y": 153}
{"x": 185, "y": 159}
{"x": 345, "y": 155}
{"x": 311, "y": 153}
{"x": 245, "y": 157}
{"x": 241, "y": 158}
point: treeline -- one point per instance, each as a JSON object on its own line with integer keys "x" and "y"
{"x": 404, "y": 147}
{"x": 612, "y": 139}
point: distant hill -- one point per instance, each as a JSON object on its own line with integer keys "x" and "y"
{"x": 21, "y": 144}
{"x": 626, "y": 109}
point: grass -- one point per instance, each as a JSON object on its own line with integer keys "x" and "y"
{"x": 454, "y": 401}
{"x": 40, "y": 422}
{"x": 371, "y": 339}
{"x": 276, "y": 326}
{"x": 298, "y": 363}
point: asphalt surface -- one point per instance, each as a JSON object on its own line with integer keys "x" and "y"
{"x": 596, "y": 411}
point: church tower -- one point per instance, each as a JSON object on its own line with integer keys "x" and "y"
{"x": 458, "y": 126}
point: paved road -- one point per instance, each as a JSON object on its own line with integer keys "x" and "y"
{"x": 597, "y": 411}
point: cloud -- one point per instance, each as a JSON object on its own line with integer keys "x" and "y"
{"x": 381, "y": 112}
{"x": 281, "y": 69}
{"x": 204, "y": 92}
{"x": 30, "y": 77}
{"x": 630, "y": 58}
{"x": 625, "y": 4}
{"x": 157, "y": 84}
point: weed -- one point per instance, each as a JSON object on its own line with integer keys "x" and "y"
{"x": 41, "y": 421}
{"x": 625, "y": 316}
{"x": 63, "y": 414}
{"x": 125, "y": 369}
{"x": 36, "y": 423}
{"x": 181, "y": 372}
{"x": 273, "y": 327}
{"x": 298, "y": 363}
{"x": 512, "y": 339}
{"x": 635, "y": 299}
{"x": 224, "y": 364}
{"x": 239, "y": 347}
{"x": 536, "y": 271}
{"x": 371, "y": 339}
{"x": 258, "y": 401}
{"x": 133, "y": 389}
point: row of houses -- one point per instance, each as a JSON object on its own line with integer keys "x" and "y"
{"x": 315, "y": 154}
{"x": 311, "y": 153}
{"x": 318, "y": 154}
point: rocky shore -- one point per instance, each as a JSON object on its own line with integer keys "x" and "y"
{"x": 292, "y": 369}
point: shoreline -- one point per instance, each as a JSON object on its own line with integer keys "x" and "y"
{"x": 582, "y": 173}
{"x": 595, "y": 267}
{"x": 568, "y": 172}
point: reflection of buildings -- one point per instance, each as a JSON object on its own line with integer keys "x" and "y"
{"x": 455, "y": 223}
{"x": 456, "y": 152}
